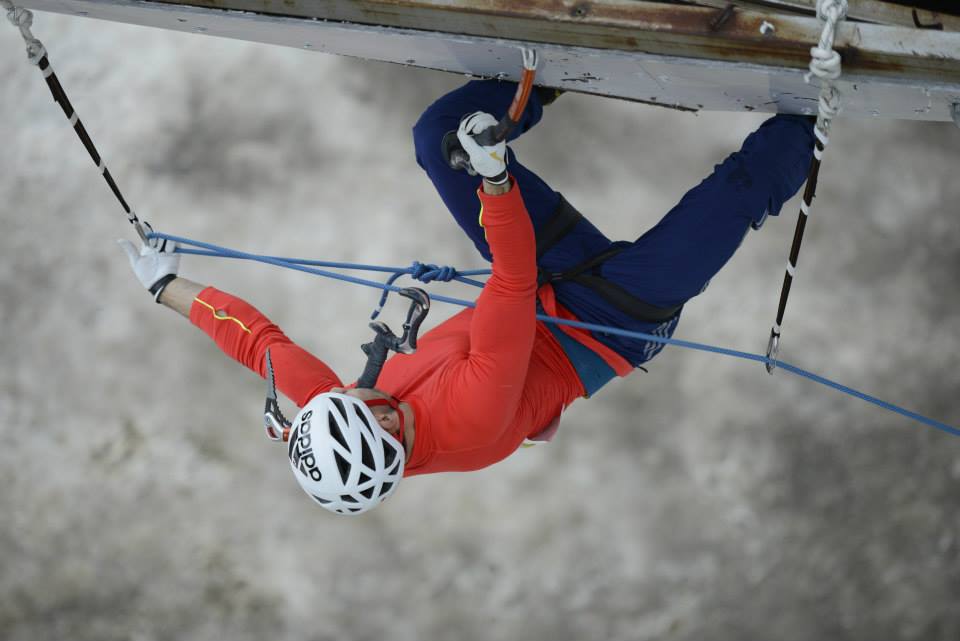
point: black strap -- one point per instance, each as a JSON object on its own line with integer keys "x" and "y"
{"x": 627, "y": 302}
{"x": 564, "y": 219}
{"x": 577, "y": 270}
{"x": 157, "y": 288}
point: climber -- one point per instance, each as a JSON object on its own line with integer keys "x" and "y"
{"x": 492, "y": 377}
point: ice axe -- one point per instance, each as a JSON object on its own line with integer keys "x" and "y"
{"x": 276, "y": 424}
{"x": 457, "y": 157}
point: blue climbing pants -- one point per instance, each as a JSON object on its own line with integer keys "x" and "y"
{"x": 669, "y": 264}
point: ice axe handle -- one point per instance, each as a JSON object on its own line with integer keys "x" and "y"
{"x": 495, "y": 133}
{"x": 499, "y": 132}
{"x": 376, "y": 352}
{"x": 458, "y": 158}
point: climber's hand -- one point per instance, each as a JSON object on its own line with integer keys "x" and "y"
{"x": 155, "y": 263}
{"x": 490, "y": 161}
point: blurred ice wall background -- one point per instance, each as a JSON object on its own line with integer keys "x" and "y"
{"x": 140, "y": 500}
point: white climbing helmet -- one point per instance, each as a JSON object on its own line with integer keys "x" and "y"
{"x": 341, "y": 456}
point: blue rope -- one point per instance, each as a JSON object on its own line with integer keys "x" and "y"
{"x": 429, "y": 273}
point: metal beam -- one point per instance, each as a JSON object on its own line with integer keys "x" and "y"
{"x": 649, "y": 27}
{"x": 910, "y": 77}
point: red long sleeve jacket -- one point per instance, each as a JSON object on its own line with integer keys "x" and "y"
{"x": 479, "y": 383}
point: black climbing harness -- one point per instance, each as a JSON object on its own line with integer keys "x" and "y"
{"x": 588, "y": 272}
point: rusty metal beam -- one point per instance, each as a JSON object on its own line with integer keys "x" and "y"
{"x": 648, "y": 27}
{"x": 874, "y": 11}
{"x": 711, "y": 59}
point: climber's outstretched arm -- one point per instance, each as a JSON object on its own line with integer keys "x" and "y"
{"x": 239, "y": 329}
{"x": 457, "y": 188}
{"x": 179, "y": 295}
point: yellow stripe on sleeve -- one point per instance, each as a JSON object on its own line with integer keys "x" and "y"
{"x": 219, "y": 314}
{"x": 480, "y": 221}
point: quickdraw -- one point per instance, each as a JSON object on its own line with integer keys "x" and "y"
{"x": 825, "y": 64}
{"x": 37, "y": 55}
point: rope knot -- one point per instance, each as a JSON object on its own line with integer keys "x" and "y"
{"x": 832, "y": 10}
{"x": 35, "y": 51}
{"x": 20, "y": 17}
{"x": 427, "y": 273}
{"x": 830, "y": 103}
{"x": 23, "y": 20}
{"x": 424, "y": 272}
{"x": 825, "y": 62}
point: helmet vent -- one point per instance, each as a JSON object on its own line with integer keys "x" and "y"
{"x": 336, "y": 433}
{"x": 319, "y": 500}
{"x": 346, "y": 498}
{"x": 361, "y": 416}
{"x": 294, "y": 435}
{"x": 367, "y": 493}
{"x": 385, "y": 488}
{"x": 389, "y": 453}
{"x": 340, "y": 408}
{"x": 343, "y": 465}
{"x": 366, "y": 454}
{"x": 363, "y": 479}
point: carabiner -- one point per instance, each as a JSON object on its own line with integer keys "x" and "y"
{"x": 773, "y": 348}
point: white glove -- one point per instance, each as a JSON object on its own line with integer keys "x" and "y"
{"x": 155, "y": 264}
{"x": 490, "y": 162}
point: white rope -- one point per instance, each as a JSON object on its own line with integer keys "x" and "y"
{"x": 825, "y": 62}
{"x": 23, "y": 19}
{"x": 822, "y": 137}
